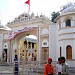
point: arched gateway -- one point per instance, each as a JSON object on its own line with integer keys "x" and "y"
{"x": 22, "y": 46}
{"x": 19, "y": 44}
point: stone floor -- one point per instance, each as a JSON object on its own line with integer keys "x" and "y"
{"x": 9, "y": 70}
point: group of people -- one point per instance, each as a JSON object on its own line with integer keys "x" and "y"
{"x": 61, "y": 67}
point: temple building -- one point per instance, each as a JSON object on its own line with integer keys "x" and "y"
{"x": 53, "y": 39}
{"x": 17, "y": 43}
{"x": 3, "y": 31}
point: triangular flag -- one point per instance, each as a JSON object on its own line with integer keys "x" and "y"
{"x": 28, "y": 2}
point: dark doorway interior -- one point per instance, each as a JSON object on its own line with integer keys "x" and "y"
{"x": 5, "y": 55}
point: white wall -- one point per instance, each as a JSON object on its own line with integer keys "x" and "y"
{"x": 64, "y": 44}
{"x": 65, "y": 37}
{"x": 52, "y": 45}
{"x": 1, "y": 43}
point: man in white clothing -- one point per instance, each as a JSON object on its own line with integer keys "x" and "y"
{"x": 59, "y": 67}
{"x": 65, "y": 68}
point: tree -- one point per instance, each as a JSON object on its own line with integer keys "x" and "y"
{"x": 54, "y": 15}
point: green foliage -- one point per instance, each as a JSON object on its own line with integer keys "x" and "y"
{"x": 54, "y": 15}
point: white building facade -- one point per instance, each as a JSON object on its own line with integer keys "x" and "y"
{"x": 53, "y": 39}
{"x": 21, "y": 27}
{"x": 66, "y": 33}
{"x": 3, "y": 30}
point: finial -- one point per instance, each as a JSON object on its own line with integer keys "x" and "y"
{"x": 37, "y": 15}
{"x": 41, "y": 15}
{"x": 32, "y": 14}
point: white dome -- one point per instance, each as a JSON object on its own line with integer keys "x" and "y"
{"x": 68, "y": 8}
{"x": 4, "y": 27}
{"x": 1, "y": 26}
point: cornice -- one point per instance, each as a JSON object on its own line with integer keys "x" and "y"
{"x": 66, "y": 28}
{"x": 64, "y": 14}
{"x": 66, "y": 33}
{"x": 44, "y": 35}
{"x": 31, "y": 22}
{"x": 67, "y": 39}
{"x": 3, "y": 29}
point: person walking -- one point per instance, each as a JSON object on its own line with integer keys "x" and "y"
{"x": 59, "y": 67}
{"x": 49, "y": 69}
{"x": 65, "y": 68}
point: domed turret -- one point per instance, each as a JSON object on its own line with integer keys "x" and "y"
{"x": 70, "y": 7}
{"x": 1, "y": 26}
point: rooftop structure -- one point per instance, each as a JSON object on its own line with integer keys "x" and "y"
{"x": 24, "y": 17}
{"x": 69, "y": 7}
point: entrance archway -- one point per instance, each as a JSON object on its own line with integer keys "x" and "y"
{"x": 30, "y": 48}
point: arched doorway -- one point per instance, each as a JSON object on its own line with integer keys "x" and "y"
{"x": 45, "y": 53}
{"x": 68, "y": 52}
{"x": 27, "y": 47}
{"x": 4, "y": 55}
{"x": 23, "y": 49}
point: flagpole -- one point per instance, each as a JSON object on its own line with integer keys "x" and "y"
{"x": 28, "y": 2}
{"x": 29, "y": 9}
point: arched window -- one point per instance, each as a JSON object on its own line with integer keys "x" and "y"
{"x": 69, "y": 52}
{"x": 68, "y": 23}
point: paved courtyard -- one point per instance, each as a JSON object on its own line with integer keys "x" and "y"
{"x": 27, "y": 69}
{"x": 9, "y": 70}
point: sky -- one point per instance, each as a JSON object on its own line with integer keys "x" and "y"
{"x": 9, "y": 9}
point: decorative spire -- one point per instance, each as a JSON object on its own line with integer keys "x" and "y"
{"x": 32, "y": 14}
{"x": 37, "y": 15}
{"x": 41, "y": 15}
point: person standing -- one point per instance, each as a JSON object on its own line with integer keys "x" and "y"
{"x": 65, "y": 68}
{"x": 59, "y": 67}
{"x": 49, "y": 69}
{"x": 16, "y": 69}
